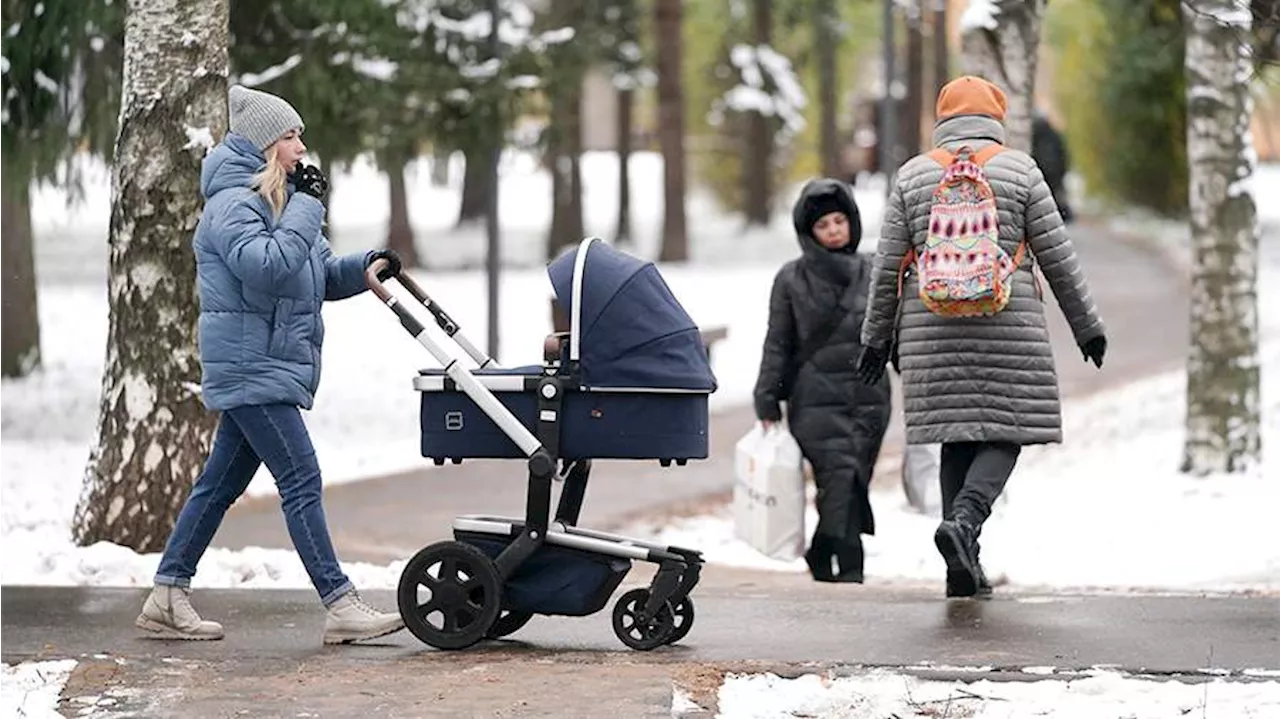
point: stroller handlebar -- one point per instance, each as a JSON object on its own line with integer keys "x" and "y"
{"x": 377, "y": 273}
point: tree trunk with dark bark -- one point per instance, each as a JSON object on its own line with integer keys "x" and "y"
{"x": 626, "y": 112}
{"x": 826, "y": 40}
{"x": 475, "y": 187}
{"x": 20, "y": 324}
{"x": 941, "y": 47}
{"x": 566, "y": 170}
{"x": 153, "y": 432}
{"x": 399, "y": 230}
{"x": 914, "y": 106}
{"x": 757, "y": 170}
{"x": 668, "y": 23}
{"x": 1004, "y": 52}
{"x": 1223, "y": 382}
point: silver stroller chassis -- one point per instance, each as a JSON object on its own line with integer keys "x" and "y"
{"x": 465, "y": 586}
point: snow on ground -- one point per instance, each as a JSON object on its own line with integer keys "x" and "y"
{"x": 885, "y": 693}
{"x": 31, "y": 689}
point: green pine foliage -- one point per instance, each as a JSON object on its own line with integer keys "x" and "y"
{"x": 1120, "y": 86}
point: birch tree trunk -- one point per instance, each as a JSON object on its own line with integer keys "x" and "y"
{"x": 1223, "y": 383}
{"x": 999, "y": 42}
{"x": 153, "y": 432}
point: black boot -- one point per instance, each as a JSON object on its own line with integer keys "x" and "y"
{"x": 957, "y": 543}
{"x": 984, "y": 586}
{"x": 849, "y": 558}
{"x": 818, "y": 557}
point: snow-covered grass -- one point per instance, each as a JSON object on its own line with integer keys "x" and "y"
{"x": 886, "y": 693}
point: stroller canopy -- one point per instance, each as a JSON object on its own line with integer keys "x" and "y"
{"x": 627, "y": 329}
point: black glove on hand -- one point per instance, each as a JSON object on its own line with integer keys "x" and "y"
{"x": 871, "y": 364}
{"x": 311, "y": 180}
{"x": 393, "y": 264}
{"x": 1094, "y": 350}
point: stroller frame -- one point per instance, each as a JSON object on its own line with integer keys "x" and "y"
{"x": 642, "y": 618}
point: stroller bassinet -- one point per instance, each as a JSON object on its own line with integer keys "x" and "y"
{"x": 630, "y": 380}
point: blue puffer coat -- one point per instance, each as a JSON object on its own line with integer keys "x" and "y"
{"x": 262, "y": 282}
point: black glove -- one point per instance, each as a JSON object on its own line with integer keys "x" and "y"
{"x": 871, "y": 364}
{"x": 311, "y": 180}
{"x": 393, "y": 264}
{"x": 1094, "y": 350}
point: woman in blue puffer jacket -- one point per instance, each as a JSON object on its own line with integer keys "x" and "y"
{"x": 264, "y": 268}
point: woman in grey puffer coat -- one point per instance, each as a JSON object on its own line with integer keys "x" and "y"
{"x": 809, "y": 361}
{"x": 982, "y": 386}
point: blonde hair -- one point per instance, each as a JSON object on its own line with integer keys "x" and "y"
{"x": 270, "y": 182}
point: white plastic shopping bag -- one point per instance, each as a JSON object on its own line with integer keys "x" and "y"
{"x": 768, "y": 492}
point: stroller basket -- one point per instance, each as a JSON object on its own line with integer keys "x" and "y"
{"x": 630, "y": 381}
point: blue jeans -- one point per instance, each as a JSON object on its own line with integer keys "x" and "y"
{"x": 247, "y": 437}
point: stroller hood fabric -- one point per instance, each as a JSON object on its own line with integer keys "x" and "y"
{"x": 633, "y": 332}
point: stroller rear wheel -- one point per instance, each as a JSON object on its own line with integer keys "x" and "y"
{"x": 450, "y": 595}
{"x": 509, "y": 622}
{"x": 637, "y": 634}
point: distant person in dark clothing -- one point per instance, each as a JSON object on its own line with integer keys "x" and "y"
{"x": 1049, "y": 149}
{"x": 816, "y": 311}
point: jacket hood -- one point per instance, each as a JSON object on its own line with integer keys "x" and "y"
{"x": 978, "y": 130}
{"x": 811, "y": 194}
{"x": 233, "y": 163}
{"x": 839, "y": 265}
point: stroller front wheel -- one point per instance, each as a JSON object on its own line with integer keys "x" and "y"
{"x": 450, "y": 595}
{"x": 638, "y": 633}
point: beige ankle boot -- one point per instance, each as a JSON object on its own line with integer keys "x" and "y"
{"x": 351, "y": 619}
{"x": 168, "y": 613}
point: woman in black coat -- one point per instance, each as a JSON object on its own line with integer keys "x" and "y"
{"x": 810, "y": 362}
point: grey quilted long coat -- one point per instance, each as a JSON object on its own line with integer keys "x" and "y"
{"x": 987, "y": 378}
{"x": 838, "y": 421}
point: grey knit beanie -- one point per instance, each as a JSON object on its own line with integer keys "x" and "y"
{"x": 260, "y": 117}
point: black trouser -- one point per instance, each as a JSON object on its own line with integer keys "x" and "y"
{"x": 973, "y": 475}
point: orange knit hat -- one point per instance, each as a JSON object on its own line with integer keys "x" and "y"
{"x": 970, "y": 95}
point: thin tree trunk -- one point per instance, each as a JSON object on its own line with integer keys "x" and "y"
{"x": 914, "y": 106}
{"x": 475, "y": 187}
{"x": 20, "y": 324}
{"x": 1223, "y": 384}
{"x": 399, "y": 231}
{"x": 757, "y": 171}
{"x": 566, "y": 171}
{"x": 1006, "y": 55}
{"x": 669, "y": 24}
{"x": 153, "y": 431}
{"x": 941, "y": 47}
{"x": 826, "y": 42}
{"x": 626, "y": 112}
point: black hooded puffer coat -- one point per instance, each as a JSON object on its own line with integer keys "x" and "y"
{"x": 838, "y": 421}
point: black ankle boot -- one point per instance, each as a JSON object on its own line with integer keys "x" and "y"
{"x": 818, "y": 557}
{"x": 849, "y": 557}
{"x": 957, "y": 543}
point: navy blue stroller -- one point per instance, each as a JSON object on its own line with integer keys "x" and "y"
{"x": 630, "y": 380}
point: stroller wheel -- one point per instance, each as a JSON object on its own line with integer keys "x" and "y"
{"x": 508, "y": 622}
{"x": 450, "y": 594}
{"x": 683, "y": 615}
{"x": 637, "y": 634}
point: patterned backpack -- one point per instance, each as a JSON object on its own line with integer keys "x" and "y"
{"x": 962, "y": 270}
